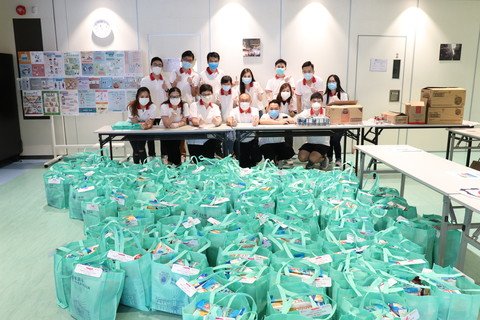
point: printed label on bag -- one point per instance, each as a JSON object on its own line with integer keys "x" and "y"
{"x": 89, "y": 173}
{"x": 323, "y": 282}
{"x": 88, "y": 271}
{"x": 220, "y": 201}
{"x": 119, "y": 256}
{"x": 184, "y": 270}
{"x": 85, "y": 189}
{"x": 213, "y": 221}
{"x": 55, "y": 180}
{"x": 402, "y": 219}
{"x": 92, "y": 207}
{"x": 414, "y": 315}
{"x": 319, "y": 260}
{"x": 168, "y": 204}
{"x": 317, "y": 311}
{"x": 410, "y": 262}
{"x": 186, "y": 287}
{"x": 224, "y": 318}
{"x": 248, "y": 280}
{"x": 262, "y": 218}
{"x": 191, "y": 222}
{"x": 199, "y": 169}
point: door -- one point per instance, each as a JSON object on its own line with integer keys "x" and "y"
{"x": 374, "y": 77}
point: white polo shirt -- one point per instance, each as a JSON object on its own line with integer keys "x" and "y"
{"x": 244, "y": 117}
{"x": 268, "y": 140}
{"x": 276, "y": 82}
{"x": 309, "y": 113}
{"x": 167, "y": 110}
{"x": 226, "y": 103}
{"x": 343, "y": 97}
{"x": 144, "y": 114}
{"x": 157, "y": 92}
{"x": 183, "y": 84}
{"x": 207, "y": 114}
{"x": 213, "y": 79}
{"x": 253, "y": 89}
{"x": 306, "y": 91}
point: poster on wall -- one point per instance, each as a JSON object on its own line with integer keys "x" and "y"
{"x": 72, "y": 63}
{"x": 24, "y": 84}
{"x": 54, "y": 64}
{"x": 71, "y": 83}
{"x": 115, "y": 61}
{"x": 69, "y": 102}
{"x": 252, "y": 47}
{"x": 83, "y": 83}
{"x": 101, "y": 100}
{"x": 116, "y": 101}
{"x": 86, "y": 101}
{"x": 99, "y": 63}
{"x": 32, "y": 103}
{"x": 130, "y": 96}
{"x": 133, "y": 63}
{"x": 86, "y": 58}
{"x": 25, "y": 70}
{"x": 450, "y": 52}
{"x": 38, "y": 63}
{"x": 24, "y": 57}
{"x": 51, "y": 103}
{"x": 38, "y": 70}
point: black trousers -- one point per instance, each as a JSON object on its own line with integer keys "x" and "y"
{"x": 171, "y": 148}
{"x": 139, "y": 152}
{"x": 151, "y": 143}
{"x": 206, "y": 150}
{"x": 335, "y": 145}
{"x": 277, "y": 151}
{"x": 249, "y": 153}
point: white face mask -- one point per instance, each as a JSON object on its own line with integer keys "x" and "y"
{"x": 156, "y": 70}
{"x": 207, "y": 99}
{"x": 285, "y": 95}
{"x": 175, "y": 101}
{"x": 144, "y": 101}
{"x": 244, "y": 105}
{"x": 316, "y": 106}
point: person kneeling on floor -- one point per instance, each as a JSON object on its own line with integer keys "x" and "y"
{"x": 316, "y": 148}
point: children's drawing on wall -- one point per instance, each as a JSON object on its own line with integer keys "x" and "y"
{"x": 450, "y": 51}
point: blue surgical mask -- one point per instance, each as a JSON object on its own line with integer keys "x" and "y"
{"x": 186, "y": 65}
{"x": 274, "y": 114}
{"x": 246, "y": 80}
{"x": 308, "y": 76}
{"x": 332, "y": 86}
{"x": 213, "y": 65}
{"x": 226, "y": 87}
{"x": 280, "y": 71}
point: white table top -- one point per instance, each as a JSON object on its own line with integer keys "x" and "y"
{"x": 163, "y": 130}
{"x": 465, "y": 124}
{"x": 470, "y": 202}
{"x": 471, "y": 132}
{"x": 441, "y": 175}
{"x": 274, "y": 127}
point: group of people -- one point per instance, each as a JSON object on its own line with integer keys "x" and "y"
{"x": 212, "y": 98}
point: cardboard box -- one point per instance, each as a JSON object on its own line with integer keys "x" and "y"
{"x": 395, "y": 117}
{"x": 445, "y": 115}
{"x": 416, "y": 112}
{"x": 444, "y": 97}
{"x": 351, "y": 114}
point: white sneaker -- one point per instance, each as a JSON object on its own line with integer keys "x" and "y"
{"x": 338, "y": 163}
{"x": 324, "y": 164}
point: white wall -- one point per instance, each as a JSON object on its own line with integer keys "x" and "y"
{"x": 323, "y": 31}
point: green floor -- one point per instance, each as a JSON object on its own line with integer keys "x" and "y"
{"x": 30, "y": 231}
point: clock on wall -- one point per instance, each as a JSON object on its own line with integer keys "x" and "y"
{"x": 101, "y": 28}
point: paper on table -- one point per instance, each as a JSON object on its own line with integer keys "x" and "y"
{"x": 466, "y": 175}
{"x": 475, "y": 192}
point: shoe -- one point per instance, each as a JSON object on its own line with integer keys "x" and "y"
{"x": 338, "y": 163}
{"x": 280, "y": 164}
{"x": 324, "y": 164}
{"x": 309, "y": 165}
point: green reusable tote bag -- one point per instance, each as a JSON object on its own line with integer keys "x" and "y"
{"x": 97, "y": 210}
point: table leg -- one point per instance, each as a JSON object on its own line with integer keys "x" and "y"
{"x": 469, "y": 151}
{"x": 402, "y": 185}
{"x": 361, "y": 169}
{"x": 463, "y": 245}
{"x": 449, "y": 137}
{"x": 358, "y": 134}
{"x": 443, "y": 229}
{"x": 452, "y": 146}
{"x": 111, "y": 147}
{"x": 100, "y": 143}
{"x": 376, "y": 143}
{"x": 345, "y": 135}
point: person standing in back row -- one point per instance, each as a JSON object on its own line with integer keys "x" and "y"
{"x": 252, "y": 87}
{"x": 212, "y": 75}
{"x": 333, "y": 93}
{"x": 158, "y": 84}
{"x": 308, "y": 85}
{"x": 273, "y": 85}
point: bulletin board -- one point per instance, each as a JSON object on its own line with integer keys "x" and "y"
{"x": 74, "y": 83}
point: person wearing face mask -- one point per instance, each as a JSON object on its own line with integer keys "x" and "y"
{"x": 246, "y": 113}
{"x": 273, "y": 85}
{"x": 308, "y": 85}
{"x": 275, "y": 148}
{"x": 333, "y": 93}
{"x": 187, "y": 80}
{"x": 287, "y": 106}
{"x": 315, "y": 150}
{"x": 212, "y": 74}
{"x": 252, "y": 87}
{"x": 227, "y": 93}
{"x": 141, "y": 110}
{"x": 158, "y": 85}
{"x": 204, "y": 112}
{"x": 173, "y": 112}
